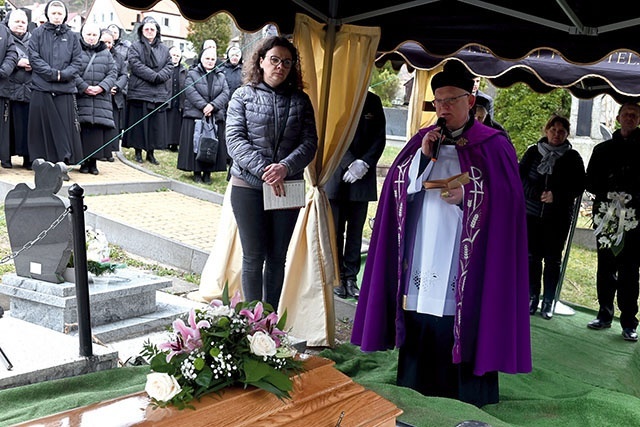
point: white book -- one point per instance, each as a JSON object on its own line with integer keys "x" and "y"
{"x": 294, "y": 196}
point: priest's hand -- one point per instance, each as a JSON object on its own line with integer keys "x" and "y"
{"x": 452, "y": 196}
{"x": 546, "y": 197}
{"x": 429, "y": 140}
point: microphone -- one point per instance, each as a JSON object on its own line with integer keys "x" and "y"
{"x": 441, "y": 123}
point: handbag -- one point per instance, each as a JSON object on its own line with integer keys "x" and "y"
{"x": 205, "y": 140}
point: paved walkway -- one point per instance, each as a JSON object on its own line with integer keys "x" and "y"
{"x": 126, "y": 193}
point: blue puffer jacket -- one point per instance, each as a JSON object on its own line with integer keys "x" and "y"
{"x": 96, "y": 109}
{"x": 54, "y": 48}
{"x": 254, "y": 119}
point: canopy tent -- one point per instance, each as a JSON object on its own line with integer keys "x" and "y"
{"x": 582, "y": 30}
{"x": 579, "y": 29}
{"x": 543, "y": 70}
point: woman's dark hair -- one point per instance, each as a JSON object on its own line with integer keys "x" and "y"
{"x": 253, "y": 73}
{"x": 558, "y": 119}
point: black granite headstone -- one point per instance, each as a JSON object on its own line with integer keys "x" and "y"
{"x": 28, "y": 212}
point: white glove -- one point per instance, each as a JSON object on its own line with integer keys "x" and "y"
{"x": 349, "y": 178}
{"x": 358, "y": 168}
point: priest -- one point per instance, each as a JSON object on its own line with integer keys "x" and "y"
{"x": 446, "y": 277}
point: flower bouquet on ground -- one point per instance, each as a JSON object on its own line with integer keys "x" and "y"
{"x": 228, "y": 343}
{"x": 98, "y": 253}
{"x": 613, "y": 219}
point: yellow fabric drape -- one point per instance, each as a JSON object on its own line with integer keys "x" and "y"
{"x": 417, "y": 117}
{"x": 312, "y": 270}
{"x": 224, "y": 264}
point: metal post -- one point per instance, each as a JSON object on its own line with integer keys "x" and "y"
{"x": 76, "y": 196}
{"x": 565, "y": 260}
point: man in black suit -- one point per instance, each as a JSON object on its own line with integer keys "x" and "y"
{"x": 351, "y": 188}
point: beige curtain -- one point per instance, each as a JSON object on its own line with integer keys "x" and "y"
{"x": 336, "y": 68}
{"x": 421, "y": 92}
{"x": 224, "y": 264}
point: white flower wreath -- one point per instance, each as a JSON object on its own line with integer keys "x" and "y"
{"x": 613, "y": 219}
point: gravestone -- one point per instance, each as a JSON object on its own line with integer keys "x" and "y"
{"x": 28, "y": 212}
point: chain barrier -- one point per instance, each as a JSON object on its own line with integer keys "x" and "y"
{"x": 39, "y": 237}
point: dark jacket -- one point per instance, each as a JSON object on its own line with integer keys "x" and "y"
{"x": 150, "y": 66}
{"x": 51, "y": 49}
{"x": 367, "y": 145}
{"x": 233, "y": 74}
{"x": 9, "y": 56}
{"x": 614, "y": 166}
{"x": 176, "y": 84}
{"x": 565, "y": 183}
{"x": 199, "y": 93}
{"x": 122, "y": 80}
{"x": 96, "y": 109}
{"x": 254, "y": 118}
{"x": 20, "y": 79}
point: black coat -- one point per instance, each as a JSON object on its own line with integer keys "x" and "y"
{"x": 54, "y": 49}
{"x": 20, "y": 79}
{"x": 565, "y": 183}
{"x": 9, "y": 56}
{"x": 198, "y": 94}
{"x": 176, "y": 84}
{"x": 96, "y": 109}
{"x": 614, "y": 166}
{"x": 122, "y": 80}
{"x": 233, "y": 73}
{"x": 151, "y": 67}
{"x": 367, "y": 145}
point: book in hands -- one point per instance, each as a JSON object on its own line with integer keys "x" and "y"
{"x": 454, "y": 181}
{"x": 294, "y": 196}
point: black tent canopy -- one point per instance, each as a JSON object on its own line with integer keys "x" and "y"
{"x": 584, "y": 31}
{"x": 543, "y": 70}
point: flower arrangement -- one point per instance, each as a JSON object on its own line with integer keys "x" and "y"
{"x": 228, "y": 343}
{"x": 613, "y": 219}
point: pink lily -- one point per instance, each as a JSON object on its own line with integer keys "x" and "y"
{"x": 255, "y": 315}
{"x": 187, "y": 338}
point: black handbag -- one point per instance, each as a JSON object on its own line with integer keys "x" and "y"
{"x": 207, "y": 140}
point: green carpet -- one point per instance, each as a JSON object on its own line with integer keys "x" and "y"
{"x": 580, "y": 378}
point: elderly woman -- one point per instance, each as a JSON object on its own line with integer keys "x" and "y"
{"x": 552, "y": 175}
{"x": 151, "y": 67}
{"x": 207, "y": 95}
{"x": 271, "y": 138}
{"x": 55, "y": 57}
{"x": 95, "y": 112}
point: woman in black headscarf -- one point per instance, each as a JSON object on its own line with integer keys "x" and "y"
{"x": 55, "y": 57}
{"x": 151, "y": 67}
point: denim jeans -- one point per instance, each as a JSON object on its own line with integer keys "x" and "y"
{"x": 265, "y": 237}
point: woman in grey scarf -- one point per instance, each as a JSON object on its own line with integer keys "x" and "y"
{"x": 552, "y": 175}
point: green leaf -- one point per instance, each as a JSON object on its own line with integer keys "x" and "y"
{"x": 225, "y": 294}
{"x": 254, "y": 370}
{"x": 198, "y": 364}
{"x": 205, "y": 376}
{"x": 283, "y": 321}
{"x": 159, "y": 364}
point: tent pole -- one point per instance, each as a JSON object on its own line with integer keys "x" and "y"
{"x": 565, "y": 260}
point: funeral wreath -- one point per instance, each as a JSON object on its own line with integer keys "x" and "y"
{"x": 230, "y": 342}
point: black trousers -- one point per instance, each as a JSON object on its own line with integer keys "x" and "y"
{"x": 350, "y": 217}
{"x": 425, "y": 363}
{"x": 619, "y": 274}
{"x": 546, "y": 239}
{"x": 264, "y": 237}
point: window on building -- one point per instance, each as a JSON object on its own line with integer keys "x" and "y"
{"x": 166, "y": 22}
{"x": 111, "y": 16}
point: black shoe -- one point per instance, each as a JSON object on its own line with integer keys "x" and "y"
{"x": 173, "y": 147}
{"x": 198, "y": 179}
{"x": 84, "y": 168}
{"x": 110, "y": 159}
{"x": 546, "y": 311}
{"x": 138, "y": 157}
{"x": 93, "y": 170}
{"x": 151, "y": 159}
{"x": 533, "y": 304}
{"x": 629, "y": 334}
{"x": 598, "y": 324}
{"x": 352, "y": 289}
{"x": 6, "y": 164}
{"x": 340, "y": 291}
{"x": 207, "y": 178}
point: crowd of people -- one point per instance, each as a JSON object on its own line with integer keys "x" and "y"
{"x": 76, "y": 97}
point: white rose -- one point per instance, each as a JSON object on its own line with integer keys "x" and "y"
{"x": 261, "y": 344}
{"x": 221, "y": 311}
{"x": 162, "y": 387}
